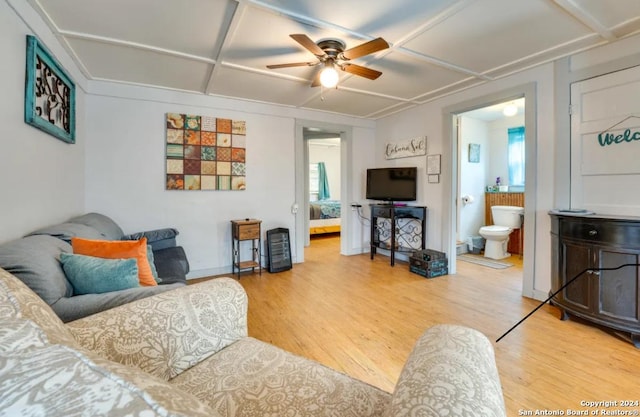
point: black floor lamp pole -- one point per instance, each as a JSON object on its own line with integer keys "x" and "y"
{"x": 558, "y": 291}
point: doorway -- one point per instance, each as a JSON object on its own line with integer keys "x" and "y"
{"x": 325, "y": 206}
{"x": 310, "y": 130}
{"x": 491, "y": 166}
{"x": 451, "y": 177}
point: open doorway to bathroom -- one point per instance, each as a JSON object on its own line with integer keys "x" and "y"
{"x": 451, "y": 178}
{"x": 491, "y": 172}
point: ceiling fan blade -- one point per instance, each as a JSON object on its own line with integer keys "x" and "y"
{"x": 366, "y": 48}
{"x": 310, "y": 45}
{"x": 361, "y": 71}
{"x": 293, "y": 64}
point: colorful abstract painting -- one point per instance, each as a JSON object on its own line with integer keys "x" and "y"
{"x": 205, "y": 153}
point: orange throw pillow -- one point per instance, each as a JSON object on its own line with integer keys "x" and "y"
{"x": 118, "y": 249}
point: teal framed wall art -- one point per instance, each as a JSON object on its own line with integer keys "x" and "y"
{"x": 50, "y": 94}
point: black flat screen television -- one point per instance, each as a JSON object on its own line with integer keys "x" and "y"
{"x": 392, "y": 184}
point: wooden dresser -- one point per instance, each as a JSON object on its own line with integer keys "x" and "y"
{"x": 506, "y": 199}
{"x": 602, "y": 253}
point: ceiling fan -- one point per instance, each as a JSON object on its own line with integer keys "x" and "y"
{"x": 331, "y": 54}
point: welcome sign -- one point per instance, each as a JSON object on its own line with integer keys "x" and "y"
{"x": 611, "y": 152}
{"x": 606, "y": 138}
{"x": 406, "y": 148}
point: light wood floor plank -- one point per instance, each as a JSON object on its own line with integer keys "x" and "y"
{"x": 361, "y": 317}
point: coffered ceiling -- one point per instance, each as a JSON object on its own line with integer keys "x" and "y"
{"x": 222, "y": 47}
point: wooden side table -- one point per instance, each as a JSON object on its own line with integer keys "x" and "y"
{"x": 243, "y": 230}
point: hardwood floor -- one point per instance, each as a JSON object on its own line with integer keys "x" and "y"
{"x": 362, "y": 317}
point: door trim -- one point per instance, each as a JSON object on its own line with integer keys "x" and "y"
{"x": 300, "y": 206}
{"x": 450, "y": 175}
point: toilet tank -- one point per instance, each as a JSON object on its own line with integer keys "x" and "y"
{"x": 509, "y": 216}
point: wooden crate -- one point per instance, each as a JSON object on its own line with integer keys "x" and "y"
{"x": 429, "y": 269}
{"x": 428, "y": 255}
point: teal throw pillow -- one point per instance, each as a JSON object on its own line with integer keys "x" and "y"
{"x": 150, "y": 258}
{"x": 91, "y": 275}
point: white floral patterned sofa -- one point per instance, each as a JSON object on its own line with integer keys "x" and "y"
{"x": 186, "y": 352}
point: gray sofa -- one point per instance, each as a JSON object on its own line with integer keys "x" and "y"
{"x": 35, "y": 259}
{"x": 186, "y": 353}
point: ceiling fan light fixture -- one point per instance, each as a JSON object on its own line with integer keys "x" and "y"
{"x": 329, "y": 76}
{"x": 332, "y": 55}
{"x": 510, "y": 110}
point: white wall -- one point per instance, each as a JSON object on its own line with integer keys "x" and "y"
{"x": 125, "y": 172}
{"x": 363, "y": 150}
{"x": 42, "y": 178}
{"x": 473, "y": 175}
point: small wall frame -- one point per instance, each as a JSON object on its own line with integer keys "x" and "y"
{"x": 50, "y": 94}
{"x": 474, "y": 152}
{"x": 433, "y": 164}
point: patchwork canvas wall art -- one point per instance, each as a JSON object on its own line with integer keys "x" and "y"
{"x": 205, "y": 153}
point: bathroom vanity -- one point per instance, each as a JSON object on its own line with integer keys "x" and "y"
{"x": 608, "y": 297}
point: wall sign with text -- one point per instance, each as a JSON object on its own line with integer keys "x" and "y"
{"x": 406, "y": 148}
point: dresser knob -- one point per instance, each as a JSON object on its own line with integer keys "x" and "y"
{"x": 593, "y": 232}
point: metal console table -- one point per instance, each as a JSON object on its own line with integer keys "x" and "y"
{"x": 389, "y": 232}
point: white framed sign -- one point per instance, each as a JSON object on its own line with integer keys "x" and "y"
{"x": 433, "y": 164}
{"x": 406, "y": 148}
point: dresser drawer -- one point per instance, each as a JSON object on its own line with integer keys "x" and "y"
{"x": 611, "y": 232}
{"x": 248, "y": 231}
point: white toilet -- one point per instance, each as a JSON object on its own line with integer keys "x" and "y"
{"x": 505, "y": 219}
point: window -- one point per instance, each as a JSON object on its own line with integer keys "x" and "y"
{"x": 515, "y": 155}
{"x": 313, "y": 182}
{"x": 318, "y": 182}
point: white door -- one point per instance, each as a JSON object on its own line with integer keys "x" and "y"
{"x": 605, "y": 143}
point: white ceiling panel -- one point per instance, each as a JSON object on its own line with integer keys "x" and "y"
{"x": 342, "y": 101}
{"x": 263, "y": 39}
{"x": 404, "y": 76}
{"x": 118, "y": 63}
{"x": 389, "y": 19}
{"x": 489, "y": 33}
{"x": 189, "y": 26}
{"x": 610, "y": 14}
{"x": 254, "y": 86}
{"x": 223, "y": 47}
{"x": 545, "y": 56}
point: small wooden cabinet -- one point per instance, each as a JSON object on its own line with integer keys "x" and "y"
{"x": 246, "y": 230}
{"x": 608, "y": 297}
{"x": 397, "y": 229}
